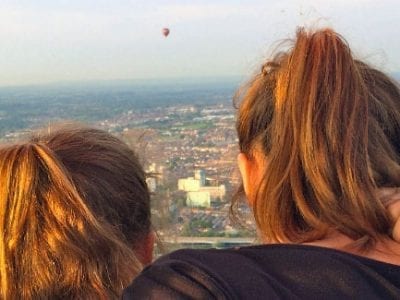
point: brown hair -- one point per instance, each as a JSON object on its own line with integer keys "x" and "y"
{"x": 328, "y": 126}
{"x": 73, "y": 204}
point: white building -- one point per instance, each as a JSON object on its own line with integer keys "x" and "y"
{"x": 198, "y": 194}
{"x": 157, "y": 176}
{"x": 189, "y": 184}
{"x": 151, "y": 184}
{"x": 198, "y": 199}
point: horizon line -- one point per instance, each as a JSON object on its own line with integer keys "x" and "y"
{"x": 143, "y": 81}
{"x": 149, "y": 80}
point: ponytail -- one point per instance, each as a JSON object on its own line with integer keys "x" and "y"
{"x": 318, "y": 143}
{"x": 51, "y": 244}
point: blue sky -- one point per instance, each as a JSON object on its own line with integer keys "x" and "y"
{"x": 53, "y": 40}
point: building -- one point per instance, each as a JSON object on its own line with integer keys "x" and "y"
{"x": 216, "y": 192}
{"x": 198, "y": 194}
{"x": 156, "y": 178}
{"x": 189, "y": 184}
{"x": 198, "y": 199}
{"x": 151, "y": 184}
{"x": 200, "y": 175}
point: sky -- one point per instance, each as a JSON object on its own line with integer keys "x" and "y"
{"x": 50, "y": 41}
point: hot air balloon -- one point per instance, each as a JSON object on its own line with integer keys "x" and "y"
{"x": 165, "y": 31}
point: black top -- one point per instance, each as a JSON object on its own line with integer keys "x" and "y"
{"x": 266, "y": 272}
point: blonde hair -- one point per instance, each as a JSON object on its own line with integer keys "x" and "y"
{"x": 54, "y": 244}
{"x": 329, "y": 130}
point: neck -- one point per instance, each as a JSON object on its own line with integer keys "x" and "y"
{"x": 385, "y": 250}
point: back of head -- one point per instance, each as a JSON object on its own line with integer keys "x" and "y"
{"x": 108, "y": 173}
{"x": 328, "y": 128}
{"x": 74, "y": 204}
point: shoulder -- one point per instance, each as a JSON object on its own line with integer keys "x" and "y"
{"x": 276, "y": 271}
{"x": 177, "y": 276}
{"x": 193, "y": 274}
{"x": 203, "y": 274}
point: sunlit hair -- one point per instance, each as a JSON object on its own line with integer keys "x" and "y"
{"x": 328, "y": 128}
{"x": 73, "y": 205}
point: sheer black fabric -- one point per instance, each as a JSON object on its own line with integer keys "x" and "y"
{"x": 266, "y": 272}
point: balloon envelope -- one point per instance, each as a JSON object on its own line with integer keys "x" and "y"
{"x": 165, "y": 32}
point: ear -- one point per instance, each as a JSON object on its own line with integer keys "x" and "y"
{"x": 245, "y": 167}
{"x": 145, "y": 247}
{"x": 394, "y": 212}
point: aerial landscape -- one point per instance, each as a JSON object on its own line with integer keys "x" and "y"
{"x": 184, "y": 132}
{"x": 185, "y": 136}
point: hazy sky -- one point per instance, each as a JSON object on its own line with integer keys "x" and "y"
{"x": 67, "y": 40}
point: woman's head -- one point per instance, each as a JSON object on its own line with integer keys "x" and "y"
{"x": 323, "y": 130}
{"x": 75, "y": 211}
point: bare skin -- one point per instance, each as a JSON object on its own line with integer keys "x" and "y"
{"x": 386, "y": 250}
{"x": 144, "y": 248}
{"x": 391, "y": 199}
